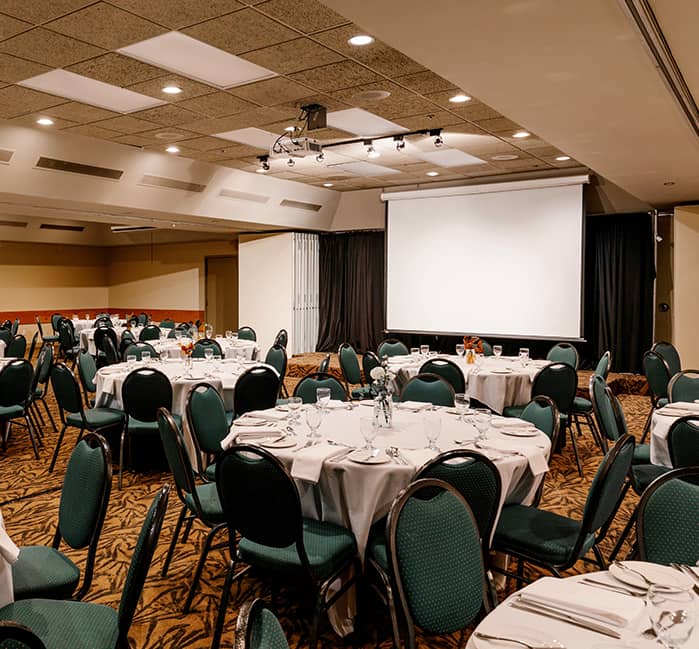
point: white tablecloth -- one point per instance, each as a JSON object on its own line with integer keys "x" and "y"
{"x": 242, "y": 349}
{"x": 2, "y": 348}
{"x": 8, "y": 555}
{"x": 513, "y": 623}
{"x": 662, "y": 420}
{"x": 87, "y": 337}
{"x": 80, "y": 324}
{"x": 496, "y": 382}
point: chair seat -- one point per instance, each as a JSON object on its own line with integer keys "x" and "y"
{"x": 644, "y": 474}
{"x": 328, "y": 547}
{"x": 10, "y": 412}
{"x": 210, "y": 472}
{"x": 42, "y": 571}
{"x": 641, "y": 454}
{"x": 513, "y": 411}
{"x": 663, "y": 401}
{"x": 209, "y": 501}
{"x": 96, "y": 418}
{"x": 148, "y": 427}
{"x": 38, "y": 392}
{"x": 61, "y": 624}
{"x": 362, "y": 393}
{"x": 539, "y": 534}
{"x": 580, "y": 404}
{"x": 376, "y": 548}
{"x": 50, "y": 339}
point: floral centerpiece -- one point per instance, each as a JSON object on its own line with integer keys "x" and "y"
{"x": 381, "y": 389}
{"x": 472, "y": 345}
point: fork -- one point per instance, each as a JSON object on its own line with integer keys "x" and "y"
{"x": 486, "y": 636}
{"x": 624, "y": 567}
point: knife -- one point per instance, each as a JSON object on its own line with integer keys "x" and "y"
{"x": 565, "y": 617}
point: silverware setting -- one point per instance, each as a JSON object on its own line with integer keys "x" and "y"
{"x": 309, "y": 443}
{"x": 342, "y": 456}
{"x": 687, "y": 570}
{"x": 394, "y": 452}
{"x": 625, "y": 568}
{"x": 613, "y": 587}
{"x": 527, "y": 645}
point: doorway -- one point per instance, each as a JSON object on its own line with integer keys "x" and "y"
{"x": 222, "y": 293}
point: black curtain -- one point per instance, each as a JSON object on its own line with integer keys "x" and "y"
{"x": 619, "y": 275}
{"x": 351, "y": 291}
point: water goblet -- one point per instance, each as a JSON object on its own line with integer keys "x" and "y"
{"x": 217, "y": 362}
{"x": 229, "y": 334}
{"x": 460, "y": 350}
{"x": 672, "y": 611}
{"x": 130, "y": 361}
{"x": 368, "y": 427}
{"x": 323, "y": 399}
{"x": 482, "y": 423}
{"x": 524, "y": 355}
{"x": 462, "y": 404}
{"x": 414, "y": 351}
{"x": 145, "y": 357}
{"x": 432, "y": 423}
{"x": 424, "y": 349}
{"x": 497, "y": 351}
{"x": 209, "y": 354}
{"x": 294, "y": 405}
{"x": 314, "y": 417}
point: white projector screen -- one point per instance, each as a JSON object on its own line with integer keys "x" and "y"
{"x": 488, "y": 262}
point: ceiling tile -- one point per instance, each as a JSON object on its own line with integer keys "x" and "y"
{"x": 473, "y": 110}
{"x": 207, "y": 143}
{"x": 90, "y": 130}
{"x": 190, "y": 88}
{"x": 216, "y": 104}
{"x": 435, "y": 119}
{"x": 133, "y": 139}
{"x": 168, "y": 115}
{"x": 178, "y": 13}
{"x": 525, "y": 143}
{"x": 400, "y": 103}
{"x": 15, "y": 100}
{"x": 519, "y": 165}
{"x": 40, "y": 11}
{"x": 328, "y": 101}
{"x": 336, "y": 76}
{"x": 271, "y": 91}
{"x": 11, "y": 26}
{"x": 293, "y": 56}
{"x": 47, "y": 47}
{"x": 245, "y": 119}
{"x": 378, "y": 56}
{"x": 116, "y": 69}
{"x": 166, "y": 134}
{"x": 77, "y": 112}
{"x": 160, "y": 147}
{"x": 318, "y": 134}
{"x": 207, "y": 156}
{"x": 498, "y": 125}
{"x": 30, "y": 120}
{"x": 241, "y": 31}
{"x": 126, "y": 124}
{"x": 13, "y": 69}
{"x": 305, "y": 15}
{"x": 238, "y": 151}
{"x": 426, "y": 82}
{"x": 106, "y": 26}
{"x": 235, "y": 164}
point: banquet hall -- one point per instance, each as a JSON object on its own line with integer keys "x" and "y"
{"x": 349, "y": 324}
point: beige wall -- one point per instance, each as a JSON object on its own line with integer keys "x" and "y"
{"x": 686, "y": 280}
{"x": 360, "y": 210}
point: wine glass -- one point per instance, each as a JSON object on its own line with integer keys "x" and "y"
{"x": 145, "y": 357}
{"x": 209, "y": 354}
{"x": 433, "y": 427}
{"x": 130, "y": 361}
{"x": 323, "y": 398}
{"x": 672, "y": 611}
{"x": 414, "y": 351}
{"x": 368, "y": 427}
{"x": 524, "y": 355}
{"x": 314, "y": 418}
{"x": 424, "y": 349}
{"x": 460, "y": 350}
{"x": 462, "y": 404}
{"x": 497, "y": 351}
{"x": 294, "y": 404}
{"x": 229, "y": 334}
{"x": 482, "y": 423}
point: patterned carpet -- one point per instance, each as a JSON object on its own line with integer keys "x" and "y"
{"x": 29, "y": 497}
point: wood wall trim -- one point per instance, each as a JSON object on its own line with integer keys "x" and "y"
{"x": 28, "y": 317}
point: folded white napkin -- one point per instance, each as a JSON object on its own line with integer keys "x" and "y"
{"x": 564, "y": 594}
{"x": 266, "y": 415}
{"x": 510, "y": 422}
{"x": 8, "y": 550}
{"x": 413, "y": 405}
{"x": 308, "y": 462}
{"x": 336, "y": 404}
{"x": 682, "y": 405}
{"x": 535, "y": 456}
{"x": 418, "y": 457}
{"x": 243, "y": 434}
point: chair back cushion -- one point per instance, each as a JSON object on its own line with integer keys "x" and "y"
{"x": 144, "y": 391}
{"x": 603, "y": 408}
{"x": 559, "y": 382}
{"x": 369, "y": 362}
{"x": 307, "y": 386}
{"x": 247, "y": 333}
{"x": 100, "y": 333}
{"x": 16, "y": 380}
{"x": 137, "y": 349}
{"x": 657, "y": 374}
{"x": 670, "y": 355}
{"x": 683, "y": 442}
{"x": 256, "y": 389}
{"x": 175, "y": 452}
{"x": 448, "y": 370}
{"x": 276, "y": 357}
{"x": 542, "y": 412}
{"x": 202, "y": 345}
{"x": 17, "y": 347}
{"x": 604, "y": 364}
{"x": 149, "y": 332}
{"x": 87, "y": 369}
{"x": 282, "y": 338}
{"x": 563, "y": 353}
{"x": 428, "y": 388}
{"x": 349, "y": 364}
{"x": 206, "y": 416}
{"x": 684, "y": 386}
{"x": 392, "y": 347}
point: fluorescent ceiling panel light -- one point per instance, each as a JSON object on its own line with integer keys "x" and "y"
{"x": 90, "y": 91}
{"x": 251, "y": 136}
{"x": 362, "y": 122}
{"x": 197, "y": 60}
{"x": 365, "y": 169}
{"x": 449, "y": 158}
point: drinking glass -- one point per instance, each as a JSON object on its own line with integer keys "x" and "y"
{"x": 209, "y": 354}
{"x": 414, "y": 351}
{"x": 217, "y": 362}
{"x": 497, "y": 350}
{"x": 672, "y": 611}
{"x": 482, "y": 423}
{"x": 460, "y": 350}
{"x": 130, "y": 361}
{"x": 323, "y": 398}
{"x": 76, "y": 317}
{"x": 145, "y": 357}
{"x": 314, "y": 418}
{"x": 524, "y": 355}
{"x": 462, "y": 404}
{"x": 433, "y": 427}
{"x": 87, "y": 316}
{"x": 229, "y": 334}
{"x": 294, "y": 404}
{"x": 368, "y": 428}
{"x": 424, "y": 349}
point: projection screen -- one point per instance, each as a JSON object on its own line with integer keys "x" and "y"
{"x": 504, "y": 259}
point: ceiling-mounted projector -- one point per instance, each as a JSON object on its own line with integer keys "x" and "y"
{"x": 295, "y": 147}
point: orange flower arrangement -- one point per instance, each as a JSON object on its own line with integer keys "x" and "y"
{"x": 474, "y": 343}
{"x": 187, "y": 348}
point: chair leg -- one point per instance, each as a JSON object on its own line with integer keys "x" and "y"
{"x": 48, "y": 412}
{"x": 624, "y": 534}
{"x": 575, "y": 451}
{"x": 315, "y": 624}
{"x": 646, "y": 426}
{"x": 200, "y": 566}
{"x": 121, "y": 451}
{"x": 173, "y": 541}
{"x": 187, "y": 530}
{"x": 58, "y": 447}
{"x": 595, "y": 431}
{"x": 223, "y": 605}
{"x": 598, "y": 555}
{"x": 30, "y": 430}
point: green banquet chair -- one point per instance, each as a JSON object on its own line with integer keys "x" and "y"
{"x": 351, "y": 373}
{"x": 246, "y": 333}
{"x": 428, "y": 388}
{"x": 448, "y": 370}
{"x": 256, "y": 627}
{"x": 564, "y": 353}
{"x": 16, "y": 381}
{"x": 276, "y": 357}
{"x": 392, "y": 347}
{"x": 658, "y": 375}
{"x": 582, "y": 407}
{"x": 684, "y": 386}
{"x": 307, "y": 386}
{"x": 670, "y": 355}
{"x": 209, "y": 424}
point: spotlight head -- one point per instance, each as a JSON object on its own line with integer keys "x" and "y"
{"x": 265, "y": 165}
{"x": 400, "y": 142}
{"x": 290, "y": 162}
{"x": 438, "y": 141}
{"x": 320, "y": 157}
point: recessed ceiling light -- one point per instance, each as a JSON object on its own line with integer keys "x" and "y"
{"x": 261, "y": 170}
{"x": 371, "y": 95}
{"x": 290, "y": 129}
{"x": 521, "y": 134}
{"x": 197, "y": 60}
{"x": 172, "y": 90}
{"x": 361, "y": 39}
{"x": 90, "y": 91}
{"x": 432, "y": 173}
{"x": 173, "y": 149}
{"x": 327, "y": 184}
{"x": 44, "y": 121}
{"x": 504, "y": 156}
{"x": 459, "y": 99}
{"x": 563, "y": 158}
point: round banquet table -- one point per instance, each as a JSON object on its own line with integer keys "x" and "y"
{"x": 624, "y": 614}
{"x": 2, "y": 348}
{"x": 87, "y": 337}
{"x": 340, "y": 490}
{"x": 9, "y": 553}
{"x": 80, "y": 324}
{"x": 231, "y": 348}
{"x": 498, "y": 382}
{"x": 660, "y": 425}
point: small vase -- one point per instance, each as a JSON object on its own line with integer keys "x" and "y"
{"x": 383, "y": 411}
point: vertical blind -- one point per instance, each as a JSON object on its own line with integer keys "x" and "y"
{"x": 305, "y": 331}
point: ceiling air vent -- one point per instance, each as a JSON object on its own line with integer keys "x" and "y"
{"x": 65, "y": 228}
{"x": 131, "y": 228}
{"x": 300, "y": 205}
{"x": 171, "y": 183}
{"x": 13, "y": 224}
{"x": 6, "y": 156}
{"x": 77, "y": 168}
{"x": 243, "y": 196}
